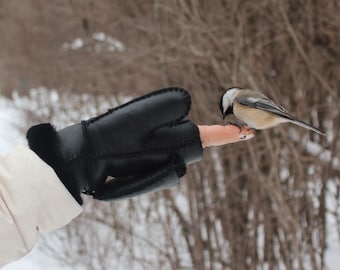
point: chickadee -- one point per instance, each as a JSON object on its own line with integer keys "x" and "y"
{"x": 251, "y": 108}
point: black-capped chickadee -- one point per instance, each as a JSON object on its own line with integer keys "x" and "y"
{"x": 251, "y": 108}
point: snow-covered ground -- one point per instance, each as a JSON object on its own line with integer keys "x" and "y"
{"x": 13, "y": 124}
{"x": 36, "y": 260}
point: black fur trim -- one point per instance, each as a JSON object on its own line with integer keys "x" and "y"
{"x": 43, "y": 139}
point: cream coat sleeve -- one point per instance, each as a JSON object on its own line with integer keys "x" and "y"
{"x": 32, "y": 200}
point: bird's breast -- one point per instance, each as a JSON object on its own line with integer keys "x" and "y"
{"x": 256, "y": 118}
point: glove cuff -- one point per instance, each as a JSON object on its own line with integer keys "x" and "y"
{"x": 43, "y": 139}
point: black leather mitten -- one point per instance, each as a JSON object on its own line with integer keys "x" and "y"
{"x": 141, "y": 146}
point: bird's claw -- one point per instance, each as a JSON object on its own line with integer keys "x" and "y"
{"x": 239, "y": 125}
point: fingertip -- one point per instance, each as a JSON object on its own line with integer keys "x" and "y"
{"x": 239, "y": 129}
{"x": 244, "y": 137}
{"x": 245, "y": 133}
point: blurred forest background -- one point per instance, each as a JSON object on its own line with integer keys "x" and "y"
{"x": 263, "y": 204}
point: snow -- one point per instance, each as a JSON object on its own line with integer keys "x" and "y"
{"x": 37, "y": 260}
{"x": 11, "y": 119}
{"x": 13, "y": 125}
{"x": 101, "y": 42}
{"x": 316, "y": 149}
{"x": 333, "y": 243}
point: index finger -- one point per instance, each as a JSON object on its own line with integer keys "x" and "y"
{"x": 216, "y": 135}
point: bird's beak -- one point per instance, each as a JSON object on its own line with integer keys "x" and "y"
{"x": 224, "y": 116}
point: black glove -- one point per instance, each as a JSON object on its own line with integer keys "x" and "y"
{"x": 142, "y": 145}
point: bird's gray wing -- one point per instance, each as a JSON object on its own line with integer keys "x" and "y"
{"x": 265, "y": 104}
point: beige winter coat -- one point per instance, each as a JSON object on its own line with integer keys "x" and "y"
{"x": 32, "y": 200}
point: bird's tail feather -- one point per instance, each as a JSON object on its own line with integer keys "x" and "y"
{"x": 307, "y": 126}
